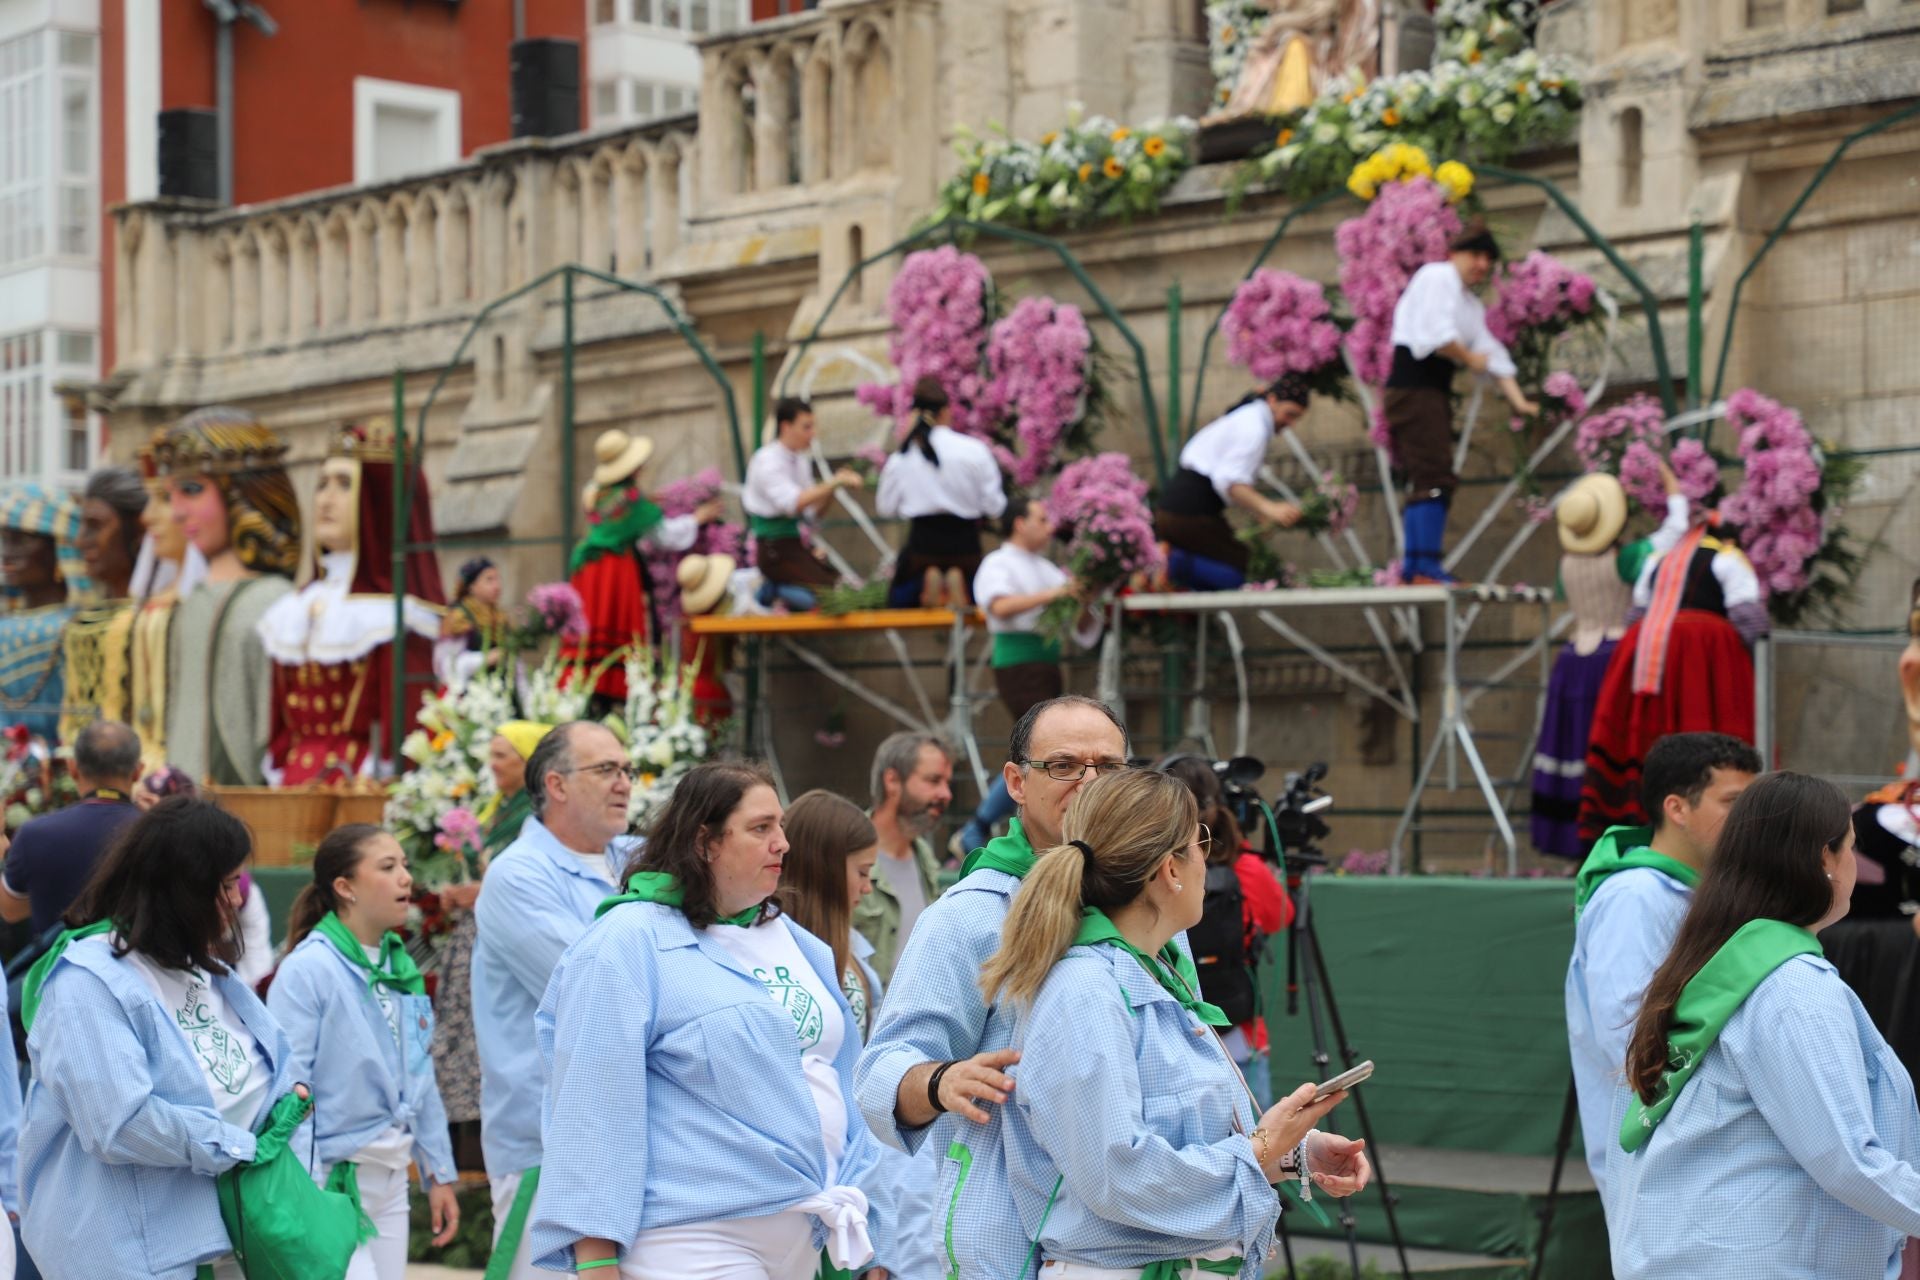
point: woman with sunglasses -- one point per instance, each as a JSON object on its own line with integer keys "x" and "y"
{"x": 699, "y": 1118}
{"x": 1132, "y": 1142}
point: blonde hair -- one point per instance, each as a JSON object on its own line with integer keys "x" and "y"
{"x": 1131, "y": 821}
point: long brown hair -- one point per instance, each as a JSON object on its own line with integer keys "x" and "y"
{"x": 696, "y": 815}
{"x": 159, "y": 882}
{"x": 1766, "y": 866}
{"x": 1131, "y": 820}
{"x": 1198, "y": 776}
{"x": 823, "y": 831}
{"x": 339, "y": 854}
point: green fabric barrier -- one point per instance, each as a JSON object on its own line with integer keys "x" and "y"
{"x": 281, "y": 885}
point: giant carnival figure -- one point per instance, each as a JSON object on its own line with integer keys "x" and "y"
{"x": 41, "y": 565}
{"x": 98, "y": 644}
{"x": 166, "y": 569}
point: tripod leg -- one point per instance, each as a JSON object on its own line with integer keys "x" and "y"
{"x": 1562, "y": 1143}
{"x": 1317, "y": 972}
{"x": 1286, "y": 1247}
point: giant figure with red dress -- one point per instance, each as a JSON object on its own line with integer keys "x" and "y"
{"x": 331, "y": 642}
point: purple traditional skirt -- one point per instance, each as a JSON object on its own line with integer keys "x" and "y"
{"x": 1560, "y": 757}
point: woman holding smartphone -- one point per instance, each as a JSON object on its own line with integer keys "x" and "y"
{"x": 1132, "y": 1141}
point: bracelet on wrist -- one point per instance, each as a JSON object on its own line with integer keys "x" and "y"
{"x": 933, "y": 1088}
{"x": 595, "y": 1266}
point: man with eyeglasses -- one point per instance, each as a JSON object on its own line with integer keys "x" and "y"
{"x": 539, "y": 895}
{"x": 939, "y": 1052}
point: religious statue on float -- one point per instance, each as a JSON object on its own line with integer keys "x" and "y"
{"x": 40, "y": 564}
{"x": 1299, "y": 49}
{"x": 331, "y": 642}
{"x": 98, "y": 643}
{"x": 229, "y": 494}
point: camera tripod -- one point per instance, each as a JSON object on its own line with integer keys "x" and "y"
{"x": 1307, "y": 976}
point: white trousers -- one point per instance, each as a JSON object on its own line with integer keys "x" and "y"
{"x": 383, "y": 1198}
{"x": 778, "y": 1246}
{"x": 504, "y": 1190}
{"x": 1054, "y": 1269}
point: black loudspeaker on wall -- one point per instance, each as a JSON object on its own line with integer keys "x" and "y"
{"x": 546, "y": 87}
{"x": 189, "y": 153}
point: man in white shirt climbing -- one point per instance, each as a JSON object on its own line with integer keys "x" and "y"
{"x": 780, "y": 494}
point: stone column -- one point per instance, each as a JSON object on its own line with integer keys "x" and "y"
{"x": 631, "y": 173}
{"x": 771, "y": 139}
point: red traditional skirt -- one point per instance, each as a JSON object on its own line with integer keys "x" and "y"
{"x": 1708, "y": 689}
{"x": 613, "y": 589}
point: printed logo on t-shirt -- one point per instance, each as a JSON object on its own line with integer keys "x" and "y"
{"x": 809, "y": 1023}
{"x": 856, "y": 993}
{"x": 221, "y": 1054}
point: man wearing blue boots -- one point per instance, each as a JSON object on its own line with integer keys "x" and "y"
{"x": 780, "y": 492}
{"x": 1217, "y": 470}
{"x": 1439, "y": 326}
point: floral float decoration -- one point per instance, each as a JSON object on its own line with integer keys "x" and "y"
{"x": 680, "y": 498}
{"x": 1090, "y": 170}
{"x": 1279, "y": 323}
{"x": 1104, "y": 504}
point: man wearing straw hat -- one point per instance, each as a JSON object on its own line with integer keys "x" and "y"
{"x": 605, "y": 567}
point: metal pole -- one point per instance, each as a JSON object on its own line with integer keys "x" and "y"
{"x": 223, "y": 106}
{"x": 1173, "y": 367}
{"x": 1696, "y": 251}
{"x": 569, "y": 501}
{"x": 759, "y": 388}
{"x": 402, "y": 500}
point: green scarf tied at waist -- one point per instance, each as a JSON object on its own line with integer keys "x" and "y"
{"x": 395, "y": 967}
{"x": 1171, "y": 968}
{"x": 771, "y": 528}
{"x": 658, "y": 886}
{"x": 1178, "y": 1268}
{"x": 1619, "y": 849}
{"x": 1009, "y": 853}
{"x": 615, "y": 535}
{"x": 1710, "y": 998}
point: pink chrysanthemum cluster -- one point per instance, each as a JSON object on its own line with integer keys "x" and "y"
{"x": 562, "y": 612}
{"x": 1105, "y": 479}
{"x": 459, "y": 832}
{"x": 1538, "y": 292}
{"x": 1407, "y": 226}
{"x": 1780, "y": 528}
{"x": 1037, "y": 358}
{"x": 938, "y": 311}
{"x": 1330, "y": 505}
{"x": 681, "y": 497}
{"x": 1279, "y": 323}
{"x": 1695, "y": 469}
{"x": 1106, "y": 506}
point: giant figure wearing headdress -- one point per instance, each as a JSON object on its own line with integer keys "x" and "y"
{"x": 41, "y": 566}
{"x": 166, "y": 570}
{"x": 229, "y": 493}
{"x": 332, "y": 641}
{"x": 98, "y": 643}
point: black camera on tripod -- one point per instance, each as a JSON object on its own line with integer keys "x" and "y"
{"x": 1295, "y": 812}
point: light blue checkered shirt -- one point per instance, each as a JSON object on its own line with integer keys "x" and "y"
{"x": 1789, "y": 1154}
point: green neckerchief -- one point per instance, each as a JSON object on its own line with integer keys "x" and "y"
{"x": 512, "y": 815}
{"x": 619, "y": 534}
{"x": 396, "y": 968}
{"x": 1632, "y": 558}
{"x": 37, "y": 976}
{"x": 1182, "y": 983}
{"x": 658, "y": 886}
{"x": 1618, "y": 850}
{"x": 1009, "y": 853}
{"x": 1710, "y": 998}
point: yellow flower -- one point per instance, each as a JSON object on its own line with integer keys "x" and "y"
{"x": 441, "y": 740}
{"x": 1086, "y": 171}
{"x": 1456, "y": 178}
{"x": 1389, "y": 117}
{"x": 1551, "y": 86}
{"x": 1121, "y": 134}
{"x": 1519, "y": 88}
{"x": 459, "y": 789}
{"x": 1362, "y": 183}
{"x": 1047, "y": 138}
{"x": 1286, "y": 136}
{"x": 1112, "y": 167}
{"x": 981, "y": 184}
{"x": 1226, "y": 35}
{"x": 1154, "y": 145}
{"x": 1473, "y": 56}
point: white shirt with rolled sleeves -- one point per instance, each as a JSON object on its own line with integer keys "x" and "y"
{"x": 1436, "y": 308}
{"x": 967, "y": 483}
{"x": 675, "y": 1093}
{"x": 1009, "y": 570}
{"x": 369, "y": 1075}
{"x": 1232, "y": 448}
{"x": 776, "y": 477}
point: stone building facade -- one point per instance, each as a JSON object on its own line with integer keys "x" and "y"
{"x": 747, "y": 218}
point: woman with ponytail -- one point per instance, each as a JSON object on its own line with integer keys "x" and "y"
{"x": 355, "y": 1008}
{"x": 1133, "y": 1145}
{"x": 944, "y": 484}
{"x": 1768, "y": 1129}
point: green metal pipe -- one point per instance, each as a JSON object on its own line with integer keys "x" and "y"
{"x": 402, "y": 501}
{"x": 759, "y": 389}
{"x": 1696, "y": 253}
{"x": 1173, "y": 368}
{"x": 567, "y": 504}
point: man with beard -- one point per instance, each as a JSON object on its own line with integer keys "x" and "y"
{"x": 912, "y": 786}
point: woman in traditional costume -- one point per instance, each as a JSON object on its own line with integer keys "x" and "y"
{"x": 166, "y": 570}
{"x": 606, "y": 568}
{"x": 944, "y": 484}
{"x": 41, "y": 566}
{"x": 98, "y": 643}
{"x": 1597, "y": 572}
{"x": 331, "y": 642}
{"x": 1684, "y": 666}
{"x": 473, "y": 629}
{"x": 230, "y": 496}
{"x": 1768, "y": 1130}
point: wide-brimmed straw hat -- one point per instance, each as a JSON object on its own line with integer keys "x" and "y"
{"x": 1591, "y": 514}
{"x": 703, "y": 582}
{"x": 617, "y": 455}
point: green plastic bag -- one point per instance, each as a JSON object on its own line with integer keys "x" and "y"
{"x": 283, "y": 1226}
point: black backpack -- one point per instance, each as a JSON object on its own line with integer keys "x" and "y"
{"x": 1219, "y": 945}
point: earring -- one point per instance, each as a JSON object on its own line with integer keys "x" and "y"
{"x": 1177, "y": 886}
{"x": 1829, "y": 875}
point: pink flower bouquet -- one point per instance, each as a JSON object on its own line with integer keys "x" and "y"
{"x": 1280, "y": 323}
{"x": 1040, "y": 358}
{"x": 1105, "y": 506}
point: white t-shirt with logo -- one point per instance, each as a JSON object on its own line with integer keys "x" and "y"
{"x": 237, "y": 1073}
{"x": 769, "y": 952}
{"x": 392, "y": 1148}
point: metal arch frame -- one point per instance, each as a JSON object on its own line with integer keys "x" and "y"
{"x": 950, "y": 229}
{"x": 403, "y": 456}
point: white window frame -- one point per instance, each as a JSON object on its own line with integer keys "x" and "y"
{"x": 370, "y": 94}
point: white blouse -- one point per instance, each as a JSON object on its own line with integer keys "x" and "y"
{"x": 776, "y": 477}
{"x": 1230, "y": 449}
{"x": 1437, "y": 308}
{"x": 1015, "y": 571}
{"x": 966, "y": 483}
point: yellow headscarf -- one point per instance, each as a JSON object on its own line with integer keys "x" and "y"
{"x": 525, "y": 735}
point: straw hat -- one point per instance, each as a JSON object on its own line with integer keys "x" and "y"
{"x": 1591, "y": 514}
{"x": 616, "y": 455}
{"x": 703, "y": 581}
